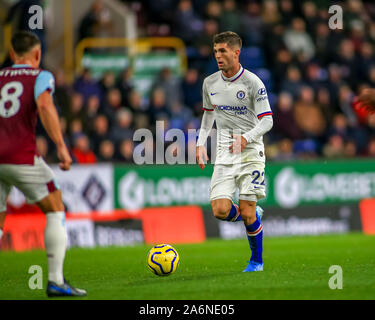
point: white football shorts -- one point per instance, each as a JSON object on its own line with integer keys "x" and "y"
{"x": 248, "y": 177}
{"x": 34, "y": 181}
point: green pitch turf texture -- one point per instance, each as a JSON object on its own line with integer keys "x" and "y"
{"x": 295, "y": 268}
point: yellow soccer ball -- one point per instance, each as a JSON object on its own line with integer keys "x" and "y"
{"x": 163, "y": 260}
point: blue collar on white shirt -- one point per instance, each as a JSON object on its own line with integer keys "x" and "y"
{"x": 235, "y": 77}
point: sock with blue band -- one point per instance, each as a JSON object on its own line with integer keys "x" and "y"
{"x": 234, "y": 214}
{"x": 255, "y": 237}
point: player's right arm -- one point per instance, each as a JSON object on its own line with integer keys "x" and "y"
{"x": 49, "y": 117}
{"x": 206, "y": 126}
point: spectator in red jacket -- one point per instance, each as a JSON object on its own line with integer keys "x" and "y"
{"x": 81, "y": 151}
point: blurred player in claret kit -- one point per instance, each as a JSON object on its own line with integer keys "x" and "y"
{"x": 237, "y": 100}
{"x": 25, "y": 91}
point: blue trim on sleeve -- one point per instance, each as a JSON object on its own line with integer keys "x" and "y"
{"x": 44, "y": 81}
{"x": 267, "y": 113}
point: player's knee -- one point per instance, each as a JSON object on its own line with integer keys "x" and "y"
{"x": 220, "y": 209}
{"x": 248, "y": 212}
{"x": 247, "y": 206}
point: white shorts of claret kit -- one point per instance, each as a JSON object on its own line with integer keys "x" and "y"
{"x": 248, "y": 177}
{"x": 34, "y": 181}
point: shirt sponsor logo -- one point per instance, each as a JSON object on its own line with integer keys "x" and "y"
{"x": 19, "y": 72}
{"x": 232, "y": 108}
{"x": 237, "y": 109}
{"x": 262, "y": 91}
{"x": 261, "y": 98}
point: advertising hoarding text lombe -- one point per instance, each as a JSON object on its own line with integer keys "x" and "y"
{"x": 289, "y": 185}
{"x": 136, "y": 192}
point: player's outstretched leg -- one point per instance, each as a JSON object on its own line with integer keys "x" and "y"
{"x": 55, "y": 244}
{"x": 234, "y": 214}
{"x": 255, "y": 238}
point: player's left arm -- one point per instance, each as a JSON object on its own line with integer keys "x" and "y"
{"x": 262, "y": 110}
{"x": 43, "y": 90}
{"x": 240, "y": 141}
{"x": 264, "y": 114}
{"x": 264, "y": 125}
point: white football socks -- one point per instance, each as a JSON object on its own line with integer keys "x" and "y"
{"x": 1, "y": 233}
{"x": 55, "y": 239}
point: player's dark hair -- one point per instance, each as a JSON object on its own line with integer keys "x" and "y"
{"x": 23, "y": 42}
{"x": 232, "y": 39}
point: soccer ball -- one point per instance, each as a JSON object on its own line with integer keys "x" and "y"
{"x": 163, "y": 260}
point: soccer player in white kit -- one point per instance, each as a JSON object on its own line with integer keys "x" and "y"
{"x": 237, "y": 100}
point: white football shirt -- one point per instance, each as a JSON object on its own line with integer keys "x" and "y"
{"x": 238, "y": 104}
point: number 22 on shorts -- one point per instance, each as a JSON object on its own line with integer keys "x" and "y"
{"x": 258, "y": 179}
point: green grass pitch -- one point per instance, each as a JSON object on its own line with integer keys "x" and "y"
{"x": 295, "y": 268}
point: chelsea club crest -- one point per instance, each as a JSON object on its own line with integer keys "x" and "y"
{"x": 240, "y": 94}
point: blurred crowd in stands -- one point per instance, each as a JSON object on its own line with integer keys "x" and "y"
{"x": 312, "y": 74}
